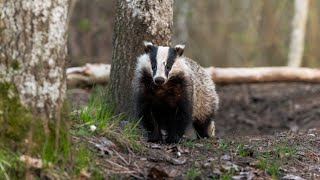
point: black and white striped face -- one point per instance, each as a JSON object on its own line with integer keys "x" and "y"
{"x": 162, "y": 59}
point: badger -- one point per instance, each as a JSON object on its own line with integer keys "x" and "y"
{"x": 172, "y": 93}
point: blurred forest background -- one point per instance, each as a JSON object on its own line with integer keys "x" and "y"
{"x": 222, "y": 33}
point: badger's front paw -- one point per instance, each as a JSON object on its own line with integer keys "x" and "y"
{"x": 173, "y": 139}
{"x": 154, "y": 137}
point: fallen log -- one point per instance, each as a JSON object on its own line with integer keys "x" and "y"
{"x": 264, "y": 74}
{"x": 91, "y": 74}
{"x": 88, "y": 75}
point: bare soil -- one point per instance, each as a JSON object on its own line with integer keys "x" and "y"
{"x": 260, "y": 109}
{"x": 264, "y": 131}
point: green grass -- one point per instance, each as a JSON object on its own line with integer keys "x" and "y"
{"x": 100, "y": 114}
{"x": 192, "y": 173}
{"x": 242, "y": 150}
{"x": 10, "y": 165}
{"x": 4, "y": 165}
{"x": 284, "y": 151}
{"x": 123, "y": 132}
{"x": 62, "y": 157}
{"x": 82, "y": 158}
{"x": 277, "y": 155}
{"x": 223, "y": 145}
{"x": 227, "y": 175}
{"x": 268, "y": 164}
{"x": 188, "y": 143}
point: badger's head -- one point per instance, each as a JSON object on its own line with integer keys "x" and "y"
{"x": 161, "y": 61}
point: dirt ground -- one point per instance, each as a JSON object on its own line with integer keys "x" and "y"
{"x": 255, "y": 109}
{"x": 264, "y": 131}
{"x": 288, "y": 155}
{"x": 260, "y": 109}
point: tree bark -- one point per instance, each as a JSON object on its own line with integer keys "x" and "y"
{"x": 136, "y": 21}
{"x": 298, "y": 32}
{"x": 32, "y": 55}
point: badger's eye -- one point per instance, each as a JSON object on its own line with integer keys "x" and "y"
{"x": 154, "y": 66}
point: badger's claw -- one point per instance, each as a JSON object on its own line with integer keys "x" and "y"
{"x": 173, "y": 139}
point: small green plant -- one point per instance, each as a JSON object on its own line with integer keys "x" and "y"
{"x": 192, "y": 173}
{"x": 267, "y": 164}
{"x": 285, "y": 151}
{"x": 242, "y": 150}
{"x": 4, "y": 164}
{"x": 10, "y": 165}
{"x": 223, "y": 145}
{"x": 82, "y": 158}
{"x": 189, "y": 143}
{"x": 227, "y": 175}
{"x": 131, "y": 133}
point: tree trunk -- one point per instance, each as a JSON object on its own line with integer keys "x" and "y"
{"x": 32, "y": 58}
{"x": 136, "y": 21}
{"x": 298, "y": 32}
{"x": 181, "y": 14}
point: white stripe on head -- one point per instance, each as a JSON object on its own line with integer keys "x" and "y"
{"x": 143, "y": 63}
{"x": 162, "y": 56}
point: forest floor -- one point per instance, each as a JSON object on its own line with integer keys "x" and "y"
{"x": 264, "y": 131}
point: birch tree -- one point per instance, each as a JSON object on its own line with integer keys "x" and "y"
{"x": 298, "y": 32}
{"x": 136, "y": 21}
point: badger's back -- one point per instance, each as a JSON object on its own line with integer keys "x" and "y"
{"x": 205, "y": 98}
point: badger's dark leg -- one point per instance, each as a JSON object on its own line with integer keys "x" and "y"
{"x": 144, "y": 111}
{"x": 152, "y": 126}
{"x": 178, "y": 122}
{"x": 204, "y": 127}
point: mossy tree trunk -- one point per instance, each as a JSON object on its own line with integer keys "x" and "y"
{"x": 32, "y": 61}
{"x": 136, "y": 21}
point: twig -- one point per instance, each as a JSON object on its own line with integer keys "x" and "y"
{"x": 126, "y": 162}
{"x": 131, "y": 173}
{"x": 116, "y": 164}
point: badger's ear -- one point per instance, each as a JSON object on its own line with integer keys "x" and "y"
{"x": 147, "y": 46}
{"x": 179, "y": 49}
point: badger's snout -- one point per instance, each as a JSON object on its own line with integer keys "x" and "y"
{"x": 159, "y": 80}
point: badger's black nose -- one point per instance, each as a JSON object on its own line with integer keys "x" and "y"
{"x": 159, "y": 80}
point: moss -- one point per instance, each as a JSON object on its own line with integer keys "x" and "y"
{"x": 84, "y": 24}
{"x": 15, "y": 65}
{"x": 17, "y": 122}
{"x": 15, "y": 119}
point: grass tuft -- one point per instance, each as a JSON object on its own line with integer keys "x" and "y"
{"x": 192, "y": 173}
{"x": 266, "y": 163}
{"x": 223, "y": 145}
{"x": 227, "y": 175}
{"x": 100, "y": 114}
{"x": 243, "y": 151}
{"x": 10, "y": 165}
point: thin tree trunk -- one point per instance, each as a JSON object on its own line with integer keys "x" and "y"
{"x": 136, "y": 21}
{"x": 298, "y": 32}
{"x": 32, "y": 58}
